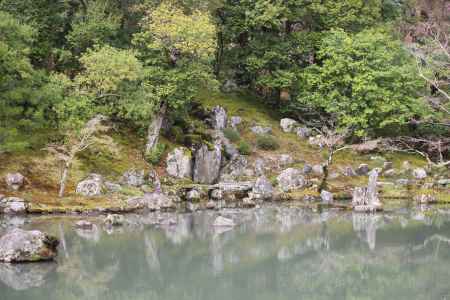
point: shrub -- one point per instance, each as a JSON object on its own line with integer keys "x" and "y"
{"x": 177, "y": 134}
{"x": 154, "y": 156}
{"x": 267, "y": 142}
{"x": 244, "y": 148}
{"x": 232, "y": 135}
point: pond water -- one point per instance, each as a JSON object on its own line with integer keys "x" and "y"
{"x": 274, "y": 253}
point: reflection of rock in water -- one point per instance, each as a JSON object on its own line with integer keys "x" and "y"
{"x": 25, "y": 276}
{"x": 181, "y": 231}
{"x": 151, "y": 254}
{"x": 92, "y": 234}
{"x": 368, "y": 224}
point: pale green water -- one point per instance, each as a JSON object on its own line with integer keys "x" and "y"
{"x": 274, "y": 254}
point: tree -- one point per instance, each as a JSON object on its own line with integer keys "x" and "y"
{"x": 178, "y": 50}
{"x": 76, "y": 141}
{"x": 367, "y": 81}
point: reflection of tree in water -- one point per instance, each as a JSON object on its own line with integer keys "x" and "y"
{"x": 367, "y": 224}
{"x": 25, "y": 276}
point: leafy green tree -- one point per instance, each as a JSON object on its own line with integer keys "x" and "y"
{"x": 23, "y": 99}
{"x": 178, "y": 51}
{"x": 366, "y": 81}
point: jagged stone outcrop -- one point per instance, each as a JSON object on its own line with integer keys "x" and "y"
{"x": 365, "y": 199}
{"x": 179, "y": 163}
{"x": 19, "y": 245}
{"x": 207, "y": 164}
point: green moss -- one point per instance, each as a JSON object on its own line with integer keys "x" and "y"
{"x": 267, "y": 142}
{"x": 232, "y": 135}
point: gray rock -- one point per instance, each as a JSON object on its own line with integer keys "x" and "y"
{"x": 14, "y": 181}
{"x": 317, "y": 170}
{"x": 13, "y": 206}
{"x": 365, "y": 199}
{"x": 263, "y": 189}
{"x": 114, "y": 220}
{"x": 307, "y": 168}
{"x": 326, "y": 197}
{"x": 134, "y": 177}
{"x": 217, "y": 194}
{"x": 260, "y": 167}
{"x": 363, "y": 169}
{"x": 235, "y": 186}
{"x": 207, "y": 164}
{"x": 288, "y": 125}
{"x": 403, "y": 181}
{"x": 387, "y": 165}
{"x": 235, "y": 168}
{"x": 83, "y": 224}
{"x": 211, "y": 205}
{"x": 93, "y": 185}
{"x": 285, "y": 160}
{"x": 389, "y": 173}
{"x": 443, "y": 182}
{"x": 179, "y": 163}
{"x": 219, "y": 118}
{"x": 419, "y": 173}
{"x": 223, "y": 222}
{"x": 248, "y": 202}
{"x": 235, "y": 121}
{"x": 304, "y": 132}
{"x": 260, "y": 130}
{"x": 348, "y": 171}
{"x": 112, "y": 187}
{"x": 291, "y": 179}
{"x": 152, "y": 201}
{"x": 18, "y": 246}
{"x": 192, "y": 207}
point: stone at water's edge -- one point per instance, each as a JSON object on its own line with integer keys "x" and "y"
{"x": 19, "y": 245}
{"x": 327, "y": 197}
{"x": 179, "y": 163}
{"x": 13, "y": 206}
{"x": 365, "y": 199}
{"x": 207, "y": 164}
{"x": 114, "y": 220}
{"x": 263, "y": 189}
{"x": 83, "y": 224}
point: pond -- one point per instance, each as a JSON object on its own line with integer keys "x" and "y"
{"x": 274, "y": 253}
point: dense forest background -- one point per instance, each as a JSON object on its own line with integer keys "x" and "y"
{"x": 373, "y": 68}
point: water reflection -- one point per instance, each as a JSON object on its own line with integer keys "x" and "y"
{"x": 274, "y": 253}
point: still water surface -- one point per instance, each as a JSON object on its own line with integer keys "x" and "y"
{"x": 275, "y": 253}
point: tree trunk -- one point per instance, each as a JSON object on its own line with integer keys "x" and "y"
{"x": 155, "y": 128}
{"x": 62, "y": 183}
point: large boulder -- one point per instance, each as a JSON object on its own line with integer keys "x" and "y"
{"x": 179, "y": 163}
{"x": 93, "y": 185}
{"x": 317, "y": 170}
{"x": 13, "y": 206}
{"x": 327, "y": 197}
{"x": 19, "y": 245}
{"x": 152, "y": 201}
{"x": 219, "y": 118}
{"x": 14, "y": 181}
{"x": 291, "y": 179}
{"x": 207, "y": 164}
{"x": 288, "y": 125}
{"x": 263, "y": 189}
{"x": 365, "y": 199}
{"x": 419, "y": 173}
{"x": 134, "y": 177}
